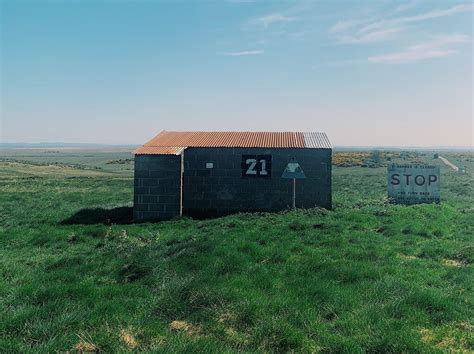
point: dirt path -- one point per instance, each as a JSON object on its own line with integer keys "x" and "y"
{"x": 448, "y": 163}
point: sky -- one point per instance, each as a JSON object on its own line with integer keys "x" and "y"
{"x": 368, "y": 73}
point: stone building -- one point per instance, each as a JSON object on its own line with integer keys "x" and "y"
{"x": 206, "y": 174}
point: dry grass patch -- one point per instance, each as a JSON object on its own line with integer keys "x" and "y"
{"x": 183, "y": 326}
{"x": 452, "y": 263}
{"x": 225, "y": 320}
{"x": 225, "y": 317}
{"x": 128, "y": 338}
{"x": 237, "y": 337}
{"x": 404, "y": 256}
{"x": 453, "y": 339}
{"x": 427, "y": 335}
{"x": 85, "y": 346}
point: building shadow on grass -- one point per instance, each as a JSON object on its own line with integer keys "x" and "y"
{"x": 90, "y": 216}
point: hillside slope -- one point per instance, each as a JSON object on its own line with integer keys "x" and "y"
{"x": 367, "y": 276}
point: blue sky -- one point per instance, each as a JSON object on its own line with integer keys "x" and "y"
{"x": 379, "y": 73}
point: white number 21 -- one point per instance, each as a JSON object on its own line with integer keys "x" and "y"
{"x": 252, "y": 163}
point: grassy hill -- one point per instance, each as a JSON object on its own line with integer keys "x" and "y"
{"x": 366, "y": 276}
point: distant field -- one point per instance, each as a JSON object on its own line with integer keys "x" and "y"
{"x": 76, "y": 274}
{"x": 112, "y": 160}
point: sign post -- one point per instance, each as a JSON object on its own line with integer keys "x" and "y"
{"x": 293, "y": 171}
{"x": 294, "y": 193}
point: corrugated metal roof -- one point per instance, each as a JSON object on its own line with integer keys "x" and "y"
{"x": 316, "y": 141}
{"x": 167, "y": 139}
{"x": 159, "y": 150}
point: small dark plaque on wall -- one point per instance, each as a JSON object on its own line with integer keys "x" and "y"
{"x": 256, "y": 166}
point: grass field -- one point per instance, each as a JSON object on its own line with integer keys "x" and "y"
{"x": 368, "y": 276}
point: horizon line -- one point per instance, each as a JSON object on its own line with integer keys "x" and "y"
{"x": 65, "y": 144}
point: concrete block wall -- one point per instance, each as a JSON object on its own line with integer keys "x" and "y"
{"x": 222, "y": 190}
{"x": 157, "y": 187}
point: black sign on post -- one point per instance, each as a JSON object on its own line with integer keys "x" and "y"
{"x": 293, "y": 171}
{"x": 256, "y": 166}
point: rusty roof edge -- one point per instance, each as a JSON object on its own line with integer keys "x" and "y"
{"x": 311, "y": 140}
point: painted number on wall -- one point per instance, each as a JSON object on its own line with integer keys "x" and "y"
{"x": 256, "y": 165}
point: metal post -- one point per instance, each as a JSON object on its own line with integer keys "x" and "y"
{"x": 294, "y": 193}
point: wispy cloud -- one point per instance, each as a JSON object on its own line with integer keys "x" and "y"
{"x": 417, "y": 18}
{"x": 368, "y": 31}
{"x": 439, "y": 47}
{"x": 372, "y": 36}
{"x": 273, "y": 18}
{"x": 245, "y": 52}
{"x": 410, "y": 55}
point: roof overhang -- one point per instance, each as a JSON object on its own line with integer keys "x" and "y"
{"x": 159, "y": 150}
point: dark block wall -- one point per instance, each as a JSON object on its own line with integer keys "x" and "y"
{"x": 222, "y": 190}
{"x": 157, "y": 187}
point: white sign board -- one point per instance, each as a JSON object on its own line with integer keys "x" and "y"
{"x": 413, "y": 184}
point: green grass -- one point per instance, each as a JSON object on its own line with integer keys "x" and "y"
{"x": 366, "y": 277}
